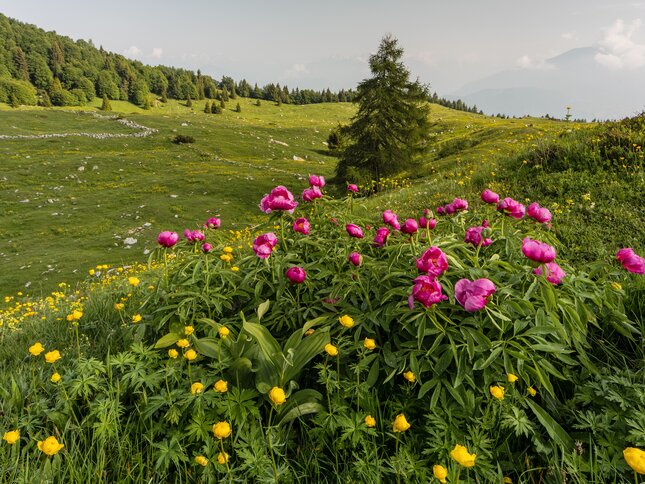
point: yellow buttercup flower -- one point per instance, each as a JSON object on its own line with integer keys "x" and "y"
{"x": 532, "y": 391}
{"x": 201, "y": 460}
{"x": 188, "y": 330}
{"x": 91, "y": 272}
{"x": 50, "y": 446}
{"x": 277, "y": 396}
{"x": 172, "y": 353}
{"x": 512, "y": 378}
{"x": 222, "y": 430}
{"x": 52, "y": 356}
{"x": 190, "y": 355}
{"x": 235, "y": 268}
{"x": 346, "y": 321}
{"x": 331, "y": 350}
{"x": 221, "y": 386}
{"x": 222, "y": 458}
{"x": 635, "y": 459}
{"x": 119, "y": 306}
{"x": 133, "y": 281}
{"x": 440, "y": 472}
{"x": 223, "y": 332}
{"x": 461, "y": 455}
{"x": 497, "y": 392}
{"x": 400, "y": 424}
{"x": 183, "y": 343}
{"x": 409, "y": 376}
{"x": 226, "y": 257}
{"x": 55, "y": 377}
{"x": 196, "y": 387}
{"x": 36, "y": 349}
{"x": 369, "y": 343}
{"x": 77, "y": 313}
{"x": 370, "y": 421}
{"x": 11, "y": 437}
{"x": 136, "y": 318}
{"x": 228, "y": 250}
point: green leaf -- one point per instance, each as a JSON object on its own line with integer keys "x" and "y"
{"x": 556, "y": 432}
{"x": 263, "y": 308}
{"x": 307, "y": 349}
{"x": 268, "y": 345}
{"x": 167, "y": 340}
{"x": 207, "y": 347}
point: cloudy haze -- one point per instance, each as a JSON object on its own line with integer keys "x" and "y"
{"x": 457, "y": 47}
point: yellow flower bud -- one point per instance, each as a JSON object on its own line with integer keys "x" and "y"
{"x": 460, "y": 454}
{"x": 370, "y": 421}
{"x": 635, "y": 458}
{"x": 36, "y": 349}
{"x": 133, "y": 281}
{"x": 369, "y": 343}
{"x": 201, "y": 460}
{"x": 346, "y": 321}
{"x": 277, "y": 396}
{"x": 222, "y": 458}
{"x": 119, "y": 306}
{"x": 222, "y": 430}
{"x": 400, "y": 423}
{"x": 223, "y": 332}
{"x": 190, "y": 355}
{"x": 532, "y": 391}
{"x": 196, "y": 387}
{"x": 188, "y": 330}
{"x": 221, "y": 386}
{"x": 50, "y": 446}
{"x": 497, "y": 392}
{"x": 183, "y": 343}
{"x": 55, "y": 377}
{"x": 136, "y": 318}
{"x": 52, "y": 356}
{"x": 331, "y": 350}
{"x": 11, "y": 437}
{"x": 440, "y": 472}
{"x": 512, "y": 378}
{"x": 228, "y": 250}
{"x": 409, "y": 376}
{"x": 172, "y": 353}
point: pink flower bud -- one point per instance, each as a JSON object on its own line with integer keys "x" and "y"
{"x": 302, "y": 225}
{"x": 297, "y": 275}
{"x": 489, "y": 196}
{"x": 410, "y": 226}
{"x": 473, "y": 295}
{"x": 355, "y": 258}
{"x": 168, "y": 239}
{"x": 354, "y": 231}
{"x": 316, "y": 181}
{"x": 352, "y": 188}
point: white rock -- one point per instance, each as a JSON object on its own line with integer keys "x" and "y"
{"x": 129, "y": 241}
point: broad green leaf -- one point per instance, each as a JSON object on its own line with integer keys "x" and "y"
{"x": 167, "y": 340}
{"x": 208, "y": 347}
{"x": 556, "y": 432}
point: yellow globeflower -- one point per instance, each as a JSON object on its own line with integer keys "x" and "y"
{"x": 11, "y": 437}
{"x": 55, "y": 377}
{"x": 228, "y": 250}
{"x": 196, "y": 387}
{"x": 461, "y": 455}
{"x": 346, "y": 321}
{"x": 136, "y": 318}
{"x": 369, "y": 343}
{"x": 133, "y": 281}
{"x": 36, "y": 349}
{"x": 440, "y": 472}
{"x": 331, "y": 350}
{"x": 400, "y": 424}
{"x": 190, "y": 355}
{"x": 512, "y": 378}
{"x": 119, "y": 306}
{"x": 226, "y": 257}
{"x": 91, "y": 272}
{"x": 52, "y": 356}
{"x": 497, "y": 392}
{"x": 370, "y": 421}
{"x": 223, "y": 332}
{"x": 222, "y": 430}
{"x": 221, "y": 386}
{"x": 201, "y": 460}
{"x": 50, "y": 446}
{"x": 78, "y": 314}
{"x": 222, "y": 458}
{"x": 277, "y": 396}
{"x": 235, "y": 268}
{"x": 183, "y": 343}
{"x": 173, "y": 353}
{"x": 532, "y": 391}
{"x": 188, "y": 330}
{"x": 409, "y": 376}
{"x": 635, "y": 458}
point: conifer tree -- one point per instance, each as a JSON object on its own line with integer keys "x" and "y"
{"x": 222, "y": 104}
{"x": 391, "y": 126}
{"x": 106, "y": 106}
{"x": 207, "y": 107}
{"x": 257, "y": 102}
{"x": 189, "y": 102}
{"x": 238, "y": 108}
{"x": 22, "y": 68}
{"x": 233, "y": 93}
{"x": 224, "y": 94}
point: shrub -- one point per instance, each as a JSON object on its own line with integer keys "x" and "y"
{"x": 183, "y": 139}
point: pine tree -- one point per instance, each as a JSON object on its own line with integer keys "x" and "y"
{"x": 207, "y": 107}
{"x": 257, "y": 102}
{"x": 233, "y": 93}
{"x": 189, "y": 102}
{"x": 238, "y": 108}
{"x": 224, "y": 94}
{"x": 391, "y": 126}
{"x": 22, "y": 69}
{"x": 106, "y": 106}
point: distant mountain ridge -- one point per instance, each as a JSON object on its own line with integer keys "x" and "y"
{"x": 574, "y": 78}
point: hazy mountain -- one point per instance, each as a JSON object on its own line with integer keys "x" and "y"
{"x": 574, "y": 78}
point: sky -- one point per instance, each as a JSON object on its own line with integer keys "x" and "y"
{"x": 327, "y": 44}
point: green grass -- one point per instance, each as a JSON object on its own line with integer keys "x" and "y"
{"x": 76, "y": 219}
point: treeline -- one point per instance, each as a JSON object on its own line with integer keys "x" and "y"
{"x": 458, "y": 105}
{"x": 49, "y": 69}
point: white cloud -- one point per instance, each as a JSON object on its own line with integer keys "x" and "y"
{"x": 570, "y": 35}
{"x": 423, "y": 56}
{"x": 157, "y": 52}
{"x": 296, "y": 70}
{"x": 132, "y": 51}
{"x": 618, "y": 50}
{"x": 525, "y": 62}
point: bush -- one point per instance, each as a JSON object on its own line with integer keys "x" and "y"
{"x": 183, "y": 139}
{"x": 20, "y": 91}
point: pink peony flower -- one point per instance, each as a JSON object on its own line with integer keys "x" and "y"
{"x": 441, "y": 211}
{"x": 297, "y": 275}
{"x": 512, "y": 208}
{"x": 213, "y": 223}
{"x": 381, "y": 236}
{"x": 354, "y": 231}
{"x": 390, "y": 218}
{"x": 433, "y": 261}
{"x": 554, "y": 273}
{"x": 489, "y": 196}
{"x": 538, "y": 251}
{"x": 474, "y": 236}
{"x": 316, "y": 181}
{"x": 427, "y": 291}
{"x": 264, "y": 244}
{"x": 193, "y": 235}
{"x": 279, "y": 199}
{"x": 352, "y": 188}
{"x": 460, "y": 204}
{"x": 631, "y": 261}
{"x": 410, "y": 227}
{"x": 168, "y": 239}
{"x": 302, "y": 225}
{"x": 427, "y": 223}
{"x": 542, "y": 215}
{"x": 309, "y": 194}
{"x": 473, "y": 295}
{"x": 207, "y": 248}
{"x": 355, "y": 258}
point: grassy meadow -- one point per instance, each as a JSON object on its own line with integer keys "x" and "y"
{"x": 68, "y": 204}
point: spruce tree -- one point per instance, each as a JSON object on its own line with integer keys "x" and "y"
{"x": 257, "y": 102}
{"x": 222, "y": 104}
{"x": 189, "y": 102}
{"x": 238, "y": 108}
{"x": 233, "y": 93}
{"x": 207, "y": 107}
{"x": 224, "y": 94}
{"x": 106, "y": 106}
{"x": 390, "y": 129}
